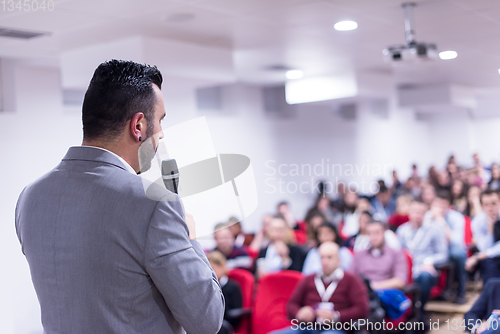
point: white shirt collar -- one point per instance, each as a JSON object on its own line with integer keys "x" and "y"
{"x": 223, "y": 280}
{"x": 129, "y": 168}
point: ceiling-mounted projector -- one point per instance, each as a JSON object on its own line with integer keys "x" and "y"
{"x": 413, "y": 50}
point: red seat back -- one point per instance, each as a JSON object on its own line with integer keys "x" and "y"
{"x": 468, "y": 231}
{"x": 300, "y": 237}
{"x": 409, "y": 263}
{"x": 246, "y": 281}
{"x": 273, "y": 292}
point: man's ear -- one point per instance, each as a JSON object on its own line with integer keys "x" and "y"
{"x": 137, "y": 126}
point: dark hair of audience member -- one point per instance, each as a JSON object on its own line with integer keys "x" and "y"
{"x": 313, "y": 213}
{"x": 487, "y": 192}
{"x": 444, "y": 195}
{"x": 338, "y": 239}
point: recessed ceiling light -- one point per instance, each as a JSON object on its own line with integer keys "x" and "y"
{"x": 448, "y": 55}
{"x": 345, "y": 25}
{"x": 499, "y": 71}
{"x": 294, "y": 74}
{"x": 180, "y": 17}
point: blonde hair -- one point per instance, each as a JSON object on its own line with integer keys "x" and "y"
{"x": 217, "y": 258}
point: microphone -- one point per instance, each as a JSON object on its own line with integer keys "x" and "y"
{"x": 170, "y": 175}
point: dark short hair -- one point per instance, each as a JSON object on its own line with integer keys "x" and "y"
{"x": 381, "y": 223}
{"x": 282, "y": 203}
{"x": 118, "y": 90}
{"x": 383, "y": 189}
{"x": 487, "y": 192}
{"x": 418, "y": 201}
{"x": 444, "y": 195}
{"x": 367, "y": 213}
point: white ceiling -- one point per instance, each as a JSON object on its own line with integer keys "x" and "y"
{"x": 294, "y": 33}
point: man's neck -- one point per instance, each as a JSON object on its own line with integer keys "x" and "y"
{"x": 415, "y": 226}
{"x": 115, "y": 148}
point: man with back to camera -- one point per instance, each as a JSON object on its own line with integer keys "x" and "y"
{"x": 104, "y": 257}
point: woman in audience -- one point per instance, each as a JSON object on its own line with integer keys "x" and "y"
{"x": 494, "y": 183}
{"x": 351, "y": 220}
{"x": 473, "y": 203}
{"x": 433, "y": 176}
{"x": 400, "y": 216}
{"x": 324, "y": 205}
{"x": 230, "y": 289}
{"x": 281, "y": 253}
{"x": 458, "y": 194}
{"x": 361, "y": 240}
{"x": 261, "y": 238}
{"x": 313, "y": 220}
{"x": 326, "y": 232}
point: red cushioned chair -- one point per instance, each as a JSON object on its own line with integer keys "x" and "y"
{"x": 410, "y": 290}
{"x": 246, "y": 281}
{"x": 468, "y": 231}
{"x": 300, "y": 237}
{"x": 273, "y": 292}
{"x": 253, "y": 253}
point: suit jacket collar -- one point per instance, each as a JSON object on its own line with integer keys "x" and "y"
{"x": 89, "y": 153}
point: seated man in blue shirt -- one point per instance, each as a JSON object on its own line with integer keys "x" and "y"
{"x": 427, "y": 245}
{"x": 486, "y": 233}
{"x": 453, "y": 223}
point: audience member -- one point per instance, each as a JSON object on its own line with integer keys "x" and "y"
{"x": 329, "y": 296}
{"x": 453, "y": 224}
{"x": 383, "y": 204}
{"x": 351, "y": 220}
{"x": 230, "y": 289}
{"x": 350, "y": 203}
{"x": 284, "y": 210}
{"x": 361, "y": 240}
{"x": 494, "y": 183}
{"x": 261, "y": 239}
{"x": 324, "y": 205}
{"x": 474, "y": 207}
{"x": 443, "y": 180}
{"x": 240, "y": 239}
{"x": 385, "y": 269}
{"x": 428, "y": 193}
{"x": 326, "y": 232}
{"x": 459, "y": 196}
{"x": 427, "y": 245}
{"x": 400, "y": 216}
{"x": 486, "y": 232}
{"x": 313, "y": 220}
{"x": 411, "y": 188}
{"x": 433, "y": 176}
{"x": 237, "y": 257}
{"x": 281, "y": 253}
{"x": 383, "y": 266}
{"x": 482, "y": 173}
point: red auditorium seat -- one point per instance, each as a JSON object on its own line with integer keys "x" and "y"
{"x": 300, "y": 237}
{"x": 273, "y": 292}
{"x": 246, "y": 281}
{"x": 253, "y": 253}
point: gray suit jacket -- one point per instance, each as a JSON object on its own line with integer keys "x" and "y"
{"x": 105, "y": 258}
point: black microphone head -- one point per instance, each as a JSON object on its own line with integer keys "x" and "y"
{"x": 170, "y": 174}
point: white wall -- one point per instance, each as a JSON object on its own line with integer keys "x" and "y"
{"x": 36, "y": 136}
